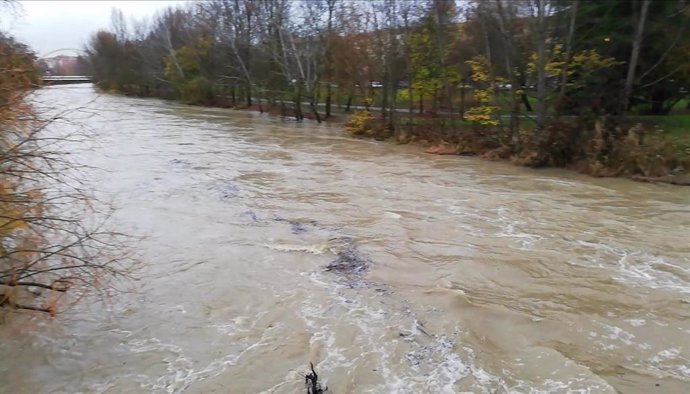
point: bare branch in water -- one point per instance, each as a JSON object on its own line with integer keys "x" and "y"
{"x": 311, "y": 379}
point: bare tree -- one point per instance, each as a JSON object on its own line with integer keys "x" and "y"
{"x": 635, "y": 53}
{"x": 541, "y": 37}
{"x": 53, "y": 235}
{"x": 569, "y": 45}
{"x": 330, "y": 5}
{"x": 507, "y": 40}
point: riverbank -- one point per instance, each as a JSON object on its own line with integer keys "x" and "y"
{"x": 658, "y": 157}
{"x": 618, "y": 148}
{"x": 664, "y": 174}
{"x": 596, "y": 170}
{"x": 648, "y": 154}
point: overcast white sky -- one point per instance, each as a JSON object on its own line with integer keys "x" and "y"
{"x": 47, "y": 26}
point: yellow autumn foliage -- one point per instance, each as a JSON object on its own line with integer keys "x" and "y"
{"x": 361, "y": 123}
{"x": 184, "y": 69}
{"x": 483, "y": 113}
{"x": 18, "y": 200}
{"x": 582, "y": 63}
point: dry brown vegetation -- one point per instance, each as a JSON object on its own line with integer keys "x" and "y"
{"x": 53, "y": 239}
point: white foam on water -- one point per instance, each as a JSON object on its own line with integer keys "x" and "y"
{"x": 670, "y": 362}
{"x": 432, "y": 363}
{"x": 509, "y": 230}
{"x": 179, "y": 370}
{"x": 392, "y": 215}
{"x": 313, "y": 249}
{"x": 636, "y": 322}
{"x": 504, "y": 225}
{"x": 638, "y": 267}
{"x": 238, "y": 325}
{"x": 618, "y": 334}
{"x": 666, "y": 354}
{"x": 642, "y": 269}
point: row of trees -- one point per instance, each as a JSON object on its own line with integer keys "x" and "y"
{"x": 281, "y": 48}
{"x": 492, "y": 62}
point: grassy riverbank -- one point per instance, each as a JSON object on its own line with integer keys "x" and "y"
{"x": 649, "y": 149}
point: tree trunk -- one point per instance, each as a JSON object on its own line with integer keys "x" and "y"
{"x": 541, "y": 64}
{"x": 462, "y": 99}
{"x": 568, "y": 47}
{"x": 349, "y": 101}
{"x": 329, "y": 56}
{"x": 410, "y": 92}
{"x": 312, "y": 104}
{"x": 441, "y": 43}
{"x": 525, "y": 101}
{"x": 328, "y": 100}
{"x": 314, "y": 100}
{"x": 410, "y": 100}
{"x": 298, "y": 103}
{"x": 394, "y": 94}
{"x": 634, "y": 55}
{"x": 247, "y": 54}
{"x": 487, "y": 50}
{"x": 508, "y": 48}
{"x": 384, "y": 97}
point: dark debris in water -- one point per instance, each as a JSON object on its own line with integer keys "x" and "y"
{"x": 229, "y": 190}
{"x": 311, "y": 379}
{"x": 384, "y": 290}
{"x": 298, "y": 227}
{"x": 251, "y": 215}
{"x": 180, "y": 162}
{"x": 349, "y": 260}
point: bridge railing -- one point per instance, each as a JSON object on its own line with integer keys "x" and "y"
{"x": 66, "y": 78}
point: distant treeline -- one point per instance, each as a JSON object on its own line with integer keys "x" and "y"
{"x": 612, "y": 55}
{"x": 492, "y": 63}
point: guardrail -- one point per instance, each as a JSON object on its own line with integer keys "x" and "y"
{"x": 65, "y": 79}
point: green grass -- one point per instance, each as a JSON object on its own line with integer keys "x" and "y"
{"x": 436, "y": 122}
{"x": 673, "y": 129}
{"x": 675, "y": 123}
{"x": 681, "y": 106}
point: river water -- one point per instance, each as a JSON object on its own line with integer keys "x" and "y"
{"x": 449, "y": 274}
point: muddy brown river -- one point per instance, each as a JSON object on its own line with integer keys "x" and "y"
{"x": 447, "y": 274}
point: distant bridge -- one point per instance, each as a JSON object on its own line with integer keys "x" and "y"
{"x": 66, "y": 79}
